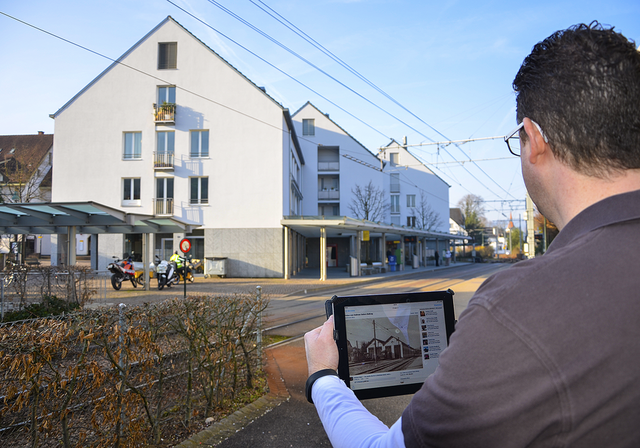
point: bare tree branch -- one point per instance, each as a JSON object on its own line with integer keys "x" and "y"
{"x": 369, "y": 202}
{"x": 426, "y": 218}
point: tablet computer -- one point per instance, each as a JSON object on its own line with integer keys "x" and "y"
{"x": 390, "y": 343}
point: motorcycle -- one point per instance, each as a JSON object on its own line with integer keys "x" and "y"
{"x": 167, "y": 274}
{"x": 188, "y": 268}
{"x": 123, "y": 270}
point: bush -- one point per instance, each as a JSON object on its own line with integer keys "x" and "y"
{"x": 128, "y": 377}
{"x": 50, "y": 306}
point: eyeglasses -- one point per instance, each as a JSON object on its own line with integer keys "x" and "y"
{"x": 513, "y": 138}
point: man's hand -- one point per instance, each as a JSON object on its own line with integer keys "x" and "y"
{"x": 322, "y": 351}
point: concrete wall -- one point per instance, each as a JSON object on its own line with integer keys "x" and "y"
{"x": 250, "y": 252}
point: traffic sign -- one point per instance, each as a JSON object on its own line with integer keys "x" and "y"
{"x": 185, "y": 245}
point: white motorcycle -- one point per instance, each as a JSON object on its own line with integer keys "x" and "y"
{"x": 167, "y": 274}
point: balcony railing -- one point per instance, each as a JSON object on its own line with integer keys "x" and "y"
{"x": 163, "y": 206}
{"x": 164, "y": 113}
{"x": 328, "y": 166}
{"x": 328, "y": 194}
{"x": 163, "y": 160}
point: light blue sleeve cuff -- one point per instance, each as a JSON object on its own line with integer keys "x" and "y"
{"x": 349, "y": 424}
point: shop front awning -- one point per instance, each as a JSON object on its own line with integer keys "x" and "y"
{"x": 87, "y": 217}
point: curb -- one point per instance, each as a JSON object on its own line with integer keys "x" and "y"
{"x": 225, "y": 428}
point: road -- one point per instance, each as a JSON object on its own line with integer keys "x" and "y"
{"x": 309, "y": 308}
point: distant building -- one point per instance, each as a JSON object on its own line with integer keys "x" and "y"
{"x": 25, "y": 176}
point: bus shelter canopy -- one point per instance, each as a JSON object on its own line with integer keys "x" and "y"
{"x": 87, "y": 217}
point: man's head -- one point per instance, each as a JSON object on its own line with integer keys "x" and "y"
{"x": 582, "y": 86}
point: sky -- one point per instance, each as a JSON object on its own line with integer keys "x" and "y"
{"x": 430, "y": 71}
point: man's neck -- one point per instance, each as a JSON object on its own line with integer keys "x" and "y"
{"x": 577, "y": 191}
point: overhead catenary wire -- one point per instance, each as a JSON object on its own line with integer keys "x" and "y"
{"x": 359, "y": 95}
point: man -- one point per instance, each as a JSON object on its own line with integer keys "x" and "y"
{"x": 547, "y": 352}
{"x": 177, "y": 259}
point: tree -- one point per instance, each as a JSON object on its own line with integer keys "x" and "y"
{"x": 369, "y": 202}
{"x": 542, "y": 224}
{"x": 426, "y": 218}
{"x": 513, "y": 240}
{"x": 21, "y": 179}
{"x": 473, "y": 210}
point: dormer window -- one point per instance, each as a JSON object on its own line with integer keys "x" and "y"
{"x": 167, "y": 55}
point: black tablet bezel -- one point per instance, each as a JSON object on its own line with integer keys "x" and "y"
{"x": 336, "y": 306}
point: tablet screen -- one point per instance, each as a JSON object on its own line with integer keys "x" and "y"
{"x": 390, "y": 344}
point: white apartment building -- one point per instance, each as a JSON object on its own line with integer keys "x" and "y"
{"x": 171, "y": 129}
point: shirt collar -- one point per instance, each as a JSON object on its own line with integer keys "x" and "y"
{"x": 611, "y": 210}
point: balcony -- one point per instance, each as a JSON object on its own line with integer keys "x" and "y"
{"x": 165, "y": 113}
{"x": 328, "y": 194}
{"x": 163, "y": 207}
{"x": 163, "y": 160}
{"x": 328, "y": 166}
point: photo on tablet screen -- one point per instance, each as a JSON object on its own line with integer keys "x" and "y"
{"x": 394, "y": 344}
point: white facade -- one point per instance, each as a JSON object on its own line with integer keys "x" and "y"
{"x": 412, "y": 182}
{"x": 202, "y": 143}
{"x": 245, "y": 194}
{"x": 333, "y": 165}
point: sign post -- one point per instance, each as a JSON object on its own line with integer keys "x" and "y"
{"x": 185, "y": 246}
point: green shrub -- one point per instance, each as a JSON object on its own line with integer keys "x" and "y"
{"x": 50, "y": 306}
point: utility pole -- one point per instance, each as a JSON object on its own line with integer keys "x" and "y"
{"x": 531, "y": 238}
{"x": 375, "y": 344}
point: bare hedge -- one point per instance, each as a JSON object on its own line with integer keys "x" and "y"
{"x": 115, "y": 377}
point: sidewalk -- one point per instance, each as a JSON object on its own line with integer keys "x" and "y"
{"x": 305, "y": 282}
{"x": 284, "y": 418}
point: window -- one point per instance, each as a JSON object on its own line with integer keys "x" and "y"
{"x": 164, "y": 187}
{"x": 393, "y": 158}
{"x": 166, "y": 95}
{"x": 329, "y": 210}
{"x": 199, "y": 190}
{"x": 167, "y": 55}
{"x": 132, "y": 145}
{"x": 164, "y": 196}
{"x": 199, "y": 143}
{"x": 308, "y": 126}
{"x": 411, "y": 200}
{"x": 395, "y": 203}
{"x": 395, "y": 183}
{"x": 131, "y": 192}
{"x": 411, "y": 221}
{"x": 166, "y": 142}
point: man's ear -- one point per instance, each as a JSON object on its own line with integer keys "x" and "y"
{"x": 538, "y": 147}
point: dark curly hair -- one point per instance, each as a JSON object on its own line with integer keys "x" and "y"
{"x": 582, "y": 86}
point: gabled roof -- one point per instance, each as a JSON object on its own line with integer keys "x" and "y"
{"x": 294, "y": 136}
{"x": 457, "y": 216}
{"x": 393, "y": 143}
{"x": 23, "y": 148}
{"x": 147, "y": 36}
{"x": 309, "y": 103}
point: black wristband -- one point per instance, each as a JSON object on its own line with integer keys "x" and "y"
{"x": 312, "y": 379}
